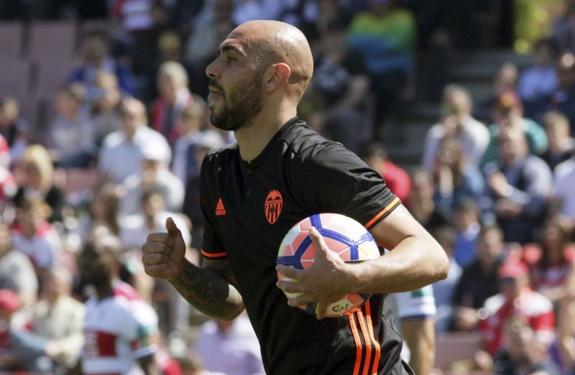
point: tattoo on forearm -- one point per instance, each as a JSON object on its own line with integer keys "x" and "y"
{"x": 209, "y": 292}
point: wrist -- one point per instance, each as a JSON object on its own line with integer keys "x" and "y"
{"x": 355, "y": 276}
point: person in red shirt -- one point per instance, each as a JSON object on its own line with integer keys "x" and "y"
{"x": 516, "y": 301}
{"x": 396, "y": 178}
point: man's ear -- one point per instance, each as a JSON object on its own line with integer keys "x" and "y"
{"x": 277, "y": 76}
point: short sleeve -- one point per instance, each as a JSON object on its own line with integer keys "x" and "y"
{"x": 143, "y": 330}
{"x": 331, "y": 178}
{"x": 212, "y": 247}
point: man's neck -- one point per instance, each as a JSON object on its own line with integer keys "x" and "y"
{"x": 255, "y": 136}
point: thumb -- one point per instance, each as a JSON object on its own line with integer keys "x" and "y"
{"x": 172, "y": 229}
{"x": 318, "y": 242}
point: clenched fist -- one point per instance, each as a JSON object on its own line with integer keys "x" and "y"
{"x": 163, "y": 254}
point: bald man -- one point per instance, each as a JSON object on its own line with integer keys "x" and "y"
{"x": 278, "y": 173}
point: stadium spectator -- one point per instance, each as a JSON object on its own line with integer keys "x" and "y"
{"x": 119, "y": 328}
{"x": 16, "y": 271}
{"x": 172, "y": 81}
{"x": 561, "y": 144}
{"x": 566, "y": 329}
{"x": 105, "y": 106}
{"x": 457, "y": 122}
{"x": 38, "y": 181}
{"x": 34, "y": 236}
{"x": 564, "y": 29}
{"x": 128, "y": 143}
{"x": 478, "y": 281}
{"x": 210, "y": 27}
{"x": 95, "y": 57}
{"x": 421, "y": 203}
{"x": 563, "y": 98}
{"x": 8, "y": 189}
{"x": 151, "y": 218}
{"x": 540, "y": 79}
{"x": 505, "y": 80}
{"x": 229, "y": 347}
{"x": 444, "y": 290}
{"x": 57, "y": 320}
{"x": 523, "y": 353}
{"x": 11, "y": 356}
{"x": 563, "y": 198}
{"x": 416, "y": 312}
{"x": 70, "y": 138}
{"x": 192, "y": 128}
{"x": 467, "y": 227}
{"x": 515, "y": 300}
{"x": 454, "y": 178}
{"x": 340, "y": 88}
{"x": 396, "y": 178}
{"x": 508, "y": 114}
{"x": 13, "y": 128}
{"x": 519, "y": 185}
{"x": 384, "y": 34}
{"x": 553, "y": 258}
{"x": 154, "y": 174}
{"x": 103, "y": 216}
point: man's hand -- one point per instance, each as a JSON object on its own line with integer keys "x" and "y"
{"x": 163, "y": 253}
{"x": 325, "y": 282}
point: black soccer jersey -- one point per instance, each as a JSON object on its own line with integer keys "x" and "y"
{"x": 249, "y": 207}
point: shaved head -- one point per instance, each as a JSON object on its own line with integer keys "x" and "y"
{"x": 279, "y": 42}
{"x": 262, "y": 66}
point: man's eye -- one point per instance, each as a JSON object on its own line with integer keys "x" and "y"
{"x": 229, "y": 59}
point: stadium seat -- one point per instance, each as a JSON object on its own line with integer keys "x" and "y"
{"x": 52, "y": 74}
{"x": 14, "y": 77}
{"x": 11, "y": 38}
{"x": 52, "y": 40}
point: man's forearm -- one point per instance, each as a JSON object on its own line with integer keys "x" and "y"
{"x": 209, "y": 292}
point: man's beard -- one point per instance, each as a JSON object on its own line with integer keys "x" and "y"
{"x": 239, "y": 105}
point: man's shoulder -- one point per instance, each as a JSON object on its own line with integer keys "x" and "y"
{"x": 223, "y": 155}
{"x": 565, "y": 169}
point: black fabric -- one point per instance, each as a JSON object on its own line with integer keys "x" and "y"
{"x": 313, "y": 175}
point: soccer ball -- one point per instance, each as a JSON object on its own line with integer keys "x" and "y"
{"x": 342, "y": 235}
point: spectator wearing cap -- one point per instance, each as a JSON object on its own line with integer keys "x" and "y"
{"x": 122, "y": 151}
{"x": 456, "y": 122}
{"x": 16, "y": 270}
{"x": 515, "y": 300}
{"x": 172, "y": 81}
{"x": 154, "y": 174}
{"x": 561, "y": 144}
{"x": 507, "y": 112}
{"x": 519, "y": 185}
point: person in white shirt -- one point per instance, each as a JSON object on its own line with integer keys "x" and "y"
{"x": 119, "y": 328}
{"x": 121, "y": 153}
{"x": 154, "y": 175}
{"x": 456, "y": 122}
{"x": 229, "y": 347}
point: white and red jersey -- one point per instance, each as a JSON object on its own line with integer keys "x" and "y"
{"x": 533, "y": 308}
{"x": 118, "y": 331}
{"x": 43, "y": 248}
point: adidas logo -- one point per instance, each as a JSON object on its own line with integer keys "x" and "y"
{"x": 220, "y": 209}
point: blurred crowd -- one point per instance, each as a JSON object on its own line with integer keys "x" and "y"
{"x": 123, "y": 145}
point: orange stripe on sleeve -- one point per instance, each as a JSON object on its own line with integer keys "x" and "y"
{"x": 364, "y": 330}
{"x": 222, "y": 254}
{"x": 394, "y": 203}
{"x": 358, "y": 344}
{"x": 376, "y": 344}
